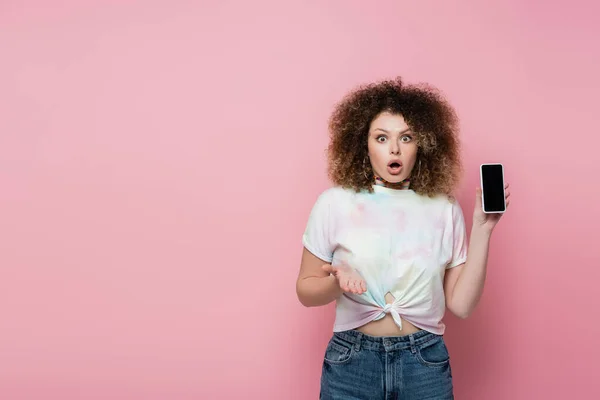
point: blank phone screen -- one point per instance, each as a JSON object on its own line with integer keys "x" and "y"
{"x": 493, "y": 188}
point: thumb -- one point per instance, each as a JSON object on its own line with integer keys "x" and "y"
{"x": 328, "y": 268}
{"x": 478, "y": 197}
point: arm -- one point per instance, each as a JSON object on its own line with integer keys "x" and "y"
{"x": 320, "y": 283}
{"x": 315, "y": 286}
{"x": 464, "y": 284}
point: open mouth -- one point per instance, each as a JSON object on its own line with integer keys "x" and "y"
{"x": 394, "y": 167}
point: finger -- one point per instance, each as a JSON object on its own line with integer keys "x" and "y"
{"x": 478, "y": 197}
{"x": 344, "y": 284}
{"x": 506, "y": 186}
{"x": 358, "y": 288}
{"x": 363, "y": 286}
{"x": 350, "y": 286}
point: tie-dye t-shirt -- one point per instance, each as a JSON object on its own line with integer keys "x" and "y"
{"x": 399, "y": 241}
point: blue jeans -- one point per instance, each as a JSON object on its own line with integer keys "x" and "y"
{"x": 363, "y": 367}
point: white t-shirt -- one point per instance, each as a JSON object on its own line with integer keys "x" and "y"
{"x": 399, "y": 241}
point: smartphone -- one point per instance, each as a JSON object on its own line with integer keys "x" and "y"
{"x": 492, "y": 185}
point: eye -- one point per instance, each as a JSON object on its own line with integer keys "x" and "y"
{"x": 381, "y": 139}
{"x": 406, "y": 138}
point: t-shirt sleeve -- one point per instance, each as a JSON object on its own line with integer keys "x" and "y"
{"x": 317, "y": 235}
{"x": 459, "y": 237}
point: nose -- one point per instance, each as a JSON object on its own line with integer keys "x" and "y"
{"x": 394, "y": 147}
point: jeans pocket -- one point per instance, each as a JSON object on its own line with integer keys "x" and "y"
{"x": 338, "y": 351}
{"x": 433, "y": 353}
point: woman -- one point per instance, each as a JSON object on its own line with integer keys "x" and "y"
{"x": 388, "y": 243}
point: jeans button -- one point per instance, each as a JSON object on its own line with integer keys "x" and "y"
{"x": 387, "y": 343}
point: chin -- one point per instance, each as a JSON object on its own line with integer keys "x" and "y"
{"x": 395, "y": 178}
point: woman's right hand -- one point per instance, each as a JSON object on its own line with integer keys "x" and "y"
{"x": 348, "y": 278}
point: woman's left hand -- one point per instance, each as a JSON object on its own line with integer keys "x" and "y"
{"x": 487, "y": 221}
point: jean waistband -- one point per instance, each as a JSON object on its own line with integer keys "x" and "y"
{"x": 359, "y": 339}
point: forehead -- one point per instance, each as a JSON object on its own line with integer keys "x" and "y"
{"x": 389, "y": 122}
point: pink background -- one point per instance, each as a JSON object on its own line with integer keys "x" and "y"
{"x": 158, "y": 161}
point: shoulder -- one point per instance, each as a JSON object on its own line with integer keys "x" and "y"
{"x": 454, "y": 208}
{"x": 335, "y": 194}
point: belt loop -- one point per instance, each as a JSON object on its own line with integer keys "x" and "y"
{"x": 358, "y": 339}
{"x": 413, "y": 348}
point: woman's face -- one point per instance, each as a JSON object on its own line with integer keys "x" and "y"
{"x": 392, "y": 147}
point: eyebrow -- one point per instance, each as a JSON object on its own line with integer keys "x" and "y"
{"x": 381, "y": 129}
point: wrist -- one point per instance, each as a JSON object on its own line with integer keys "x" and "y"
{"x": 481, "y": 232}
{"x": 333, "y": 281}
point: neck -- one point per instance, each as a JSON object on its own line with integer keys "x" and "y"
{"x": 402, "y": 185}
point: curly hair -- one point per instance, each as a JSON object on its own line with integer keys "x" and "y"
{"x": 424, "y": 109}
